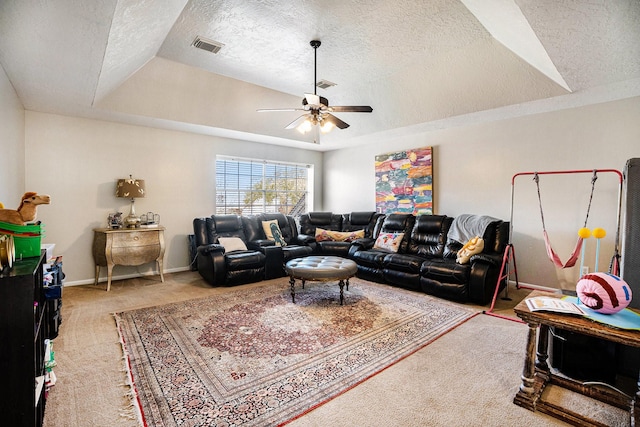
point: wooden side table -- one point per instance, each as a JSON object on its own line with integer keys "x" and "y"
{"x": 537, "y": 374}
{"x": 127, "y": 246}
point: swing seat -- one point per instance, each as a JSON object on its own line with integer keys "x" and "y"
{"x": 553, "y": 256}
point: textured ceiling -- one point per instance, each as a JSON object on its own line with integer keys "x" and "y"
{"x": 418, "y": 64}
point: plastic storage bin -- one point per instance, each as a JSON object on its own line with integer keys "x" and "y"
{"x": 26, "y": 238}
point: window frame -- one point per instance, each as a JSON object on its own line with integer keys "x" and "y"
{"x": 241, "y": 176}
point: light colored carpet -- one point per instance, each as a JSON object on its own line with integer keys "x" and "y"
{"x": 466, "y": 378}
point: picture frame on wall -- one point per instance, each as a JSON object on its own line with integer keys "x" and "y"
{"x": 404, "y": 181}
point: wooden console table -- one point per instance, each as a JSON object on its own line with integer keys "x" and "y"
{"x": 127, "y": 246}
{"x": 537, "y": 374}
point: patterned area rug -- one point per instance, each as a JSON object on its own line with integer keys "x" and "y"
{"x": 250, "y": 357}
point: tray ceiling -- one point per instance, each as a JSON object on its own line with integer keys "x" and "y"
{"x": 420, "y": 65}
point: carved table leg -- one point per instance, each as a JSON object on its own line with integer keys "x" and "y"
{"x": 292, "y": 282}
{"x": 347, "y": 283}
{"x": 109, "y": 275}
{"x": 97, "y": 274}
{"x": 525, "y": 396}
{"x": 160, "y": 268}
{"x": 341, "y": 284}
{"x": 542, "y": 352}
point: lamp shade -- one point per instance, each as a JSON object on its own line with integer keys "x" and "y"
{"x": 130, "y": 188}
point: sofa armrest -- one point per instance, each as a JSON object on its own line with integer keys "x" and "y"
{"x": 306, "y": 239}
{"x": 258, "y": 245}
{"x": 363, "y": 244}
{"x": 483, "y": 278}
{"x": 208, "y": 249}
{"x": 494, "y": 260}
{"x": 211, "y": 264}
{"x": 274, "y": 262}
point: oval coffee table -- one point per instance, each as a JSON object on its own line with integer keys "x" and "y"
{"x": 317, "y": 268}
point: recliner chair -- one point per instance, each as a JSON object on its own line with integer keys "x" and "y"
{"x": 218, "y": 266}
{"x": 277, "y": 256}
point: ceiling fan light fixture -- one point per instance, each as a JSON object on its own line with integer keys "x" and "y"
{"x": 326, "y": 126}
{"x": 305, "y": 126}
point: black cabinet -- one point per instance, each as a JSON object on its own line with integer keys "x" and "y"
{"x": 24, "y": 328}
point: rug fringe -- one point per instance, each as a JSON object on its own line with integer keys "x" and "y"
{"x": 133, "y": 411}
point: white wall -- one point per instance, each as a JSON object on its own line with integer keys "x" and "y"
{"x": 77, "y": 162}
{"x": 11, "y": 144}
{"x": 474, "y": 166}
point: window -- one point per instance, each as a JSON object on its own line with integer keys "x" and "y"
{"x": 246, "y": 187}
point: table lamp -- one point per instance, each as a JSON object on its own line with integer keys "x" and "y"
{"x": 130, "y": 188}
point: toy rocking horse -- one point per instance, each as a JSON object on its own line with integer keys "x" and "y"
{"x": 26, "y": 212}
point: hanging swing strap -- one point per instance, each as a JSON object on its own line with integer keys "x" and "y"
{"x": 536, "y": 179}
{"x": 594, "y": 178}
{"x": 576, "y": 251}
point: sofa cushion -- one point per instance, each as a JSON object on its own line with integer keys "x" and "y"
{"x": 244, "y": 260}
{"x": 286, "y": 223}
{"x": 323, "y": 235}
{"x": 388, "y": 241}
{"x": 340, "y": 249}
{"x": 232, "y": 244}
{"x": 272, "y": 232}
{"x": 397, "y": 223}
{"x": 445, "y": 271}
{"x": 403, "y": 262}
{"x": 474, "y": 246}
{"x": 296, "y": 251}
{"x": 372, "y": 257}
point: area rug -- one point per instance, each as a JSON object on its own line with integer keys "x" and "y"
{"x": 251, "y": 357}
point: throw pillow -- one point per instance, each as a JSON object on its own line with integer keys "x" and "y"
{"x": 388, "y": 241}
{"x": 475, "y": 245}
{"x": 232, "y": 244}
{"x": 272, "y": 232}
{"x": 338, "y": 236}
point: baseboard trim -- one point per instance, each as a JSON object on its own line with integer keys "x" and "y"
{"x": 536, "y": 287}
{"x": 123, "y": 277}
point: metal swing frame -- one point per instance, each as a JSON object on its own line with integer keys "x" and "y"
{"x": 509, "y": 255}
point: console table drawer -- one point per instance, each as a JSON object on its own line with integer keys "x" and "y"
{"x": 135, "y": 255}
{"x": 135, "y": 238}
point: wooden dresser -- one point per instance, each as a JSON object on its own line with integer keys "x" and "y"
{"x": 127, "y": 246}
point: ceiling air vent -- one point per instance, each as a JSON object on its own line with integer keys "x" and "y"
{"x": 325, "y": 84}
{"x": 208, "y": 45}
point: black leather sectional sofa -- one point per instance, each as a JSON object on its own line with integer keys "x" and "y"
{"x": 425, "y": 259}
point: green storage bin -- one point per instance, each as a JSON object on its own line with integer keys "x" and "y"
{"x": 27, "y": 239}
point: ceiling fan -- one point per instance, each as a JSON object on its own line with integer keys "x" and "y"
{"x": 318, "y": 110}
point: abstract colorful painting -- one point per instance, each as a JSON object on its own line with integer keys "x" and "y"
{"x": 404, "y": 182}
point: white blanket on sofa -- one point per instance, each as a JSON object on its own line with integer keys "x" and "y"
{"x": 466, "y": 226}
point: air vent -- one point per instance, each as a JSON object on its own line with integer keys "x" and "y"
{"x": 208, "y": 45}
{"x": 325, "y": 84}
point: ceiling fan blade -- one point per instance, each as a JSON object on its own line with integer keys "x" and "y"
{"x": 266, "y": 110}
{"x": 336, "y": 121}
{"x": 294, "y": 124}
{"x": 351, "y": 109}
